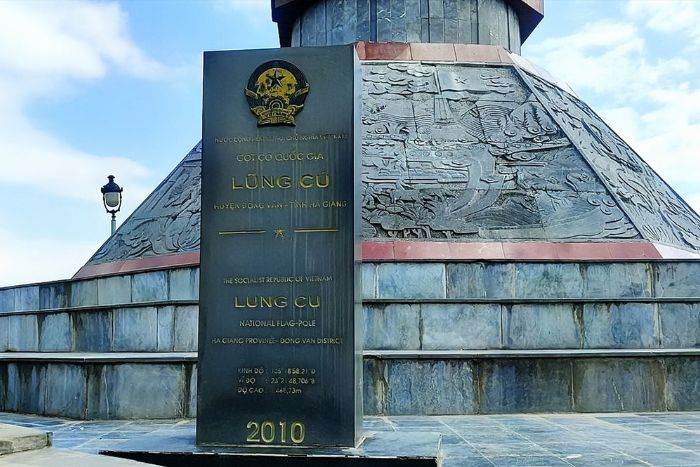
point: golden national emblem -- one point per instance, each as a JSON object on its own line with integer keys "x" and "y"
{"x": 276, "y": 93}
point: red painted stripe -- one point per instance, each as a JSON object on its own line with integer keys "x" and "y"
{"x": 422, "y": 251}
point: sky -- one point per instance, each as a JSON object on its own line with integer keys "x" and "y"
{"x": 92, "y": 88}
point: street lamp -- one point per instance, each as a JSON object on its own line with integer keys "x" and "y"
{"x": 112, "y": 199}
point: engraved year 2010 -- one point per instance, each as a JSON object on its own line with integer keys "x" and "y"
{"x": 269, "y": 432}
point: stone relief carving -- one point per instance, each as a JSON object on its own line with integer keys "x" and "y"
{"x": 456, "y": 152}
{"x": 654, "y": 207}
{"x": 462, "y": 152}
{"x": 167, "y": 222}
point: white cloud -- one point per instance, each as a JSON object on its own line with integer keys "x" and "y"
{"x": 606, "y": 57}
{"x": 76, "y": 39}
{"x": 46, "y": 48}
{"x": 678, "y": 16}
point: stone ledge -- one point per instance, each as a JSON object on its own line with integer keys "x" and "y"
{"x": 96, "y": 308}
{"x": 18, "y": 439}
{"x": 544, "y": 300}
{"x": 510, "y": 354}
{"x": 176, "y": 357}
{"x": 97, "y": 357}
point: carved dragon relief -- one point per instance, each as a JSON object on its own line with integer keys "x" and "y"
{"x": 660, "y": 214}
{"x": 458, "y": 152}
{"x": 166, "y": 223}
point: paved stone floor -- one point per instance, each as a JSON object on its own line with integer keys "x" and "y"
{"x": 657, "y": 439}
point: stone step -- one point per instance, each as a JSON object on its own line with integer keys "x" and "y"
{"x": 191, "y": 357}
{"x": 15, "y": 439}
{"x": 100, "y": 357}
{"x": 529, "y": 353}
{"x": 411, "y": 382}
{"x": 51, "y": 457}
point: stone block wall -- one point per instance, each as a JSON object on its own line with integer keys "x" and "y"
{"x": 440, "y": 338}
{"x": 531, "y": 306}
{"x": 99, "y": 390}
{"x": 144, "y": 312}
{"x": 478, "y": 385}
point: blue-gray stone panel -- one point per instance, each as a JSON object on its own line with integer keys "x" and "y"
{"x": 618, "y": 385}
{"x": 92, "y": 331}
{"x": 149, "y": 286}
{"x": 680, "y": 325}
{"x": 135, "y": 329}
{"x": 369, "y": 280}
{"x": 374, "y": 386}
{"x": 114, "y": 290}
{"x": 23, "y": 334}
{"x": 27, "y": 298}
{"x": 618, "y": 280}
{"x": 541, "y": 326}
{"x": 463, "y": 326}
{"x": 493, "y": 22}
{"x": 683, "y": 384}
{"x": 144, "y": 391}
{"x": 392, "y": 327}
{"x": 383, "y": 20}
{"x": 66, "y": 390}
{"x": 411, "y": 280}
{"x": 480, "y": 280}
{"x": 55, "y": 332}
{"x": 548, "y": 280}
{"x": 83, "y": 293}
{"x": 97, "y": 394}
{"x": 430, "y": 387}
{"x": 185, "y": 328}
{"x": 53, "y": 295}
{"x": 192, "y": 400}
{"x": 32, "y": 388}
{"x": 678, "y": 279}
{"x": 413, "y": 27}
{"x": 620, "y": 326}
{"x": 362, "y": 29}
{"x": 3, "y": 387}
{"x": 4, "y": 333}
{"x": 7, "y": 299}
{"x": 166, "y": 328}
{"x": 12, "y": 389}
{"x": 184, "y": 284}
{"x": 525, "y": 385}
{"x": 514, "y": 31}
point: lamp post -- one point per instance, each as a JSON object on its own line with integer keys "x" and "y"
{"x": 112, "y": 199}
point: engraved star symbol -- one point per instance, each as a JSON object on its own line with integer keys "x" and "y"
{"x": 279, "y": 233}
{"x": 276, "y": 79}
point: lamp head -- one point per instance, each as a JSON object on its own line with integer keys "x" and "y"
{"x": 112, "y": 196}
